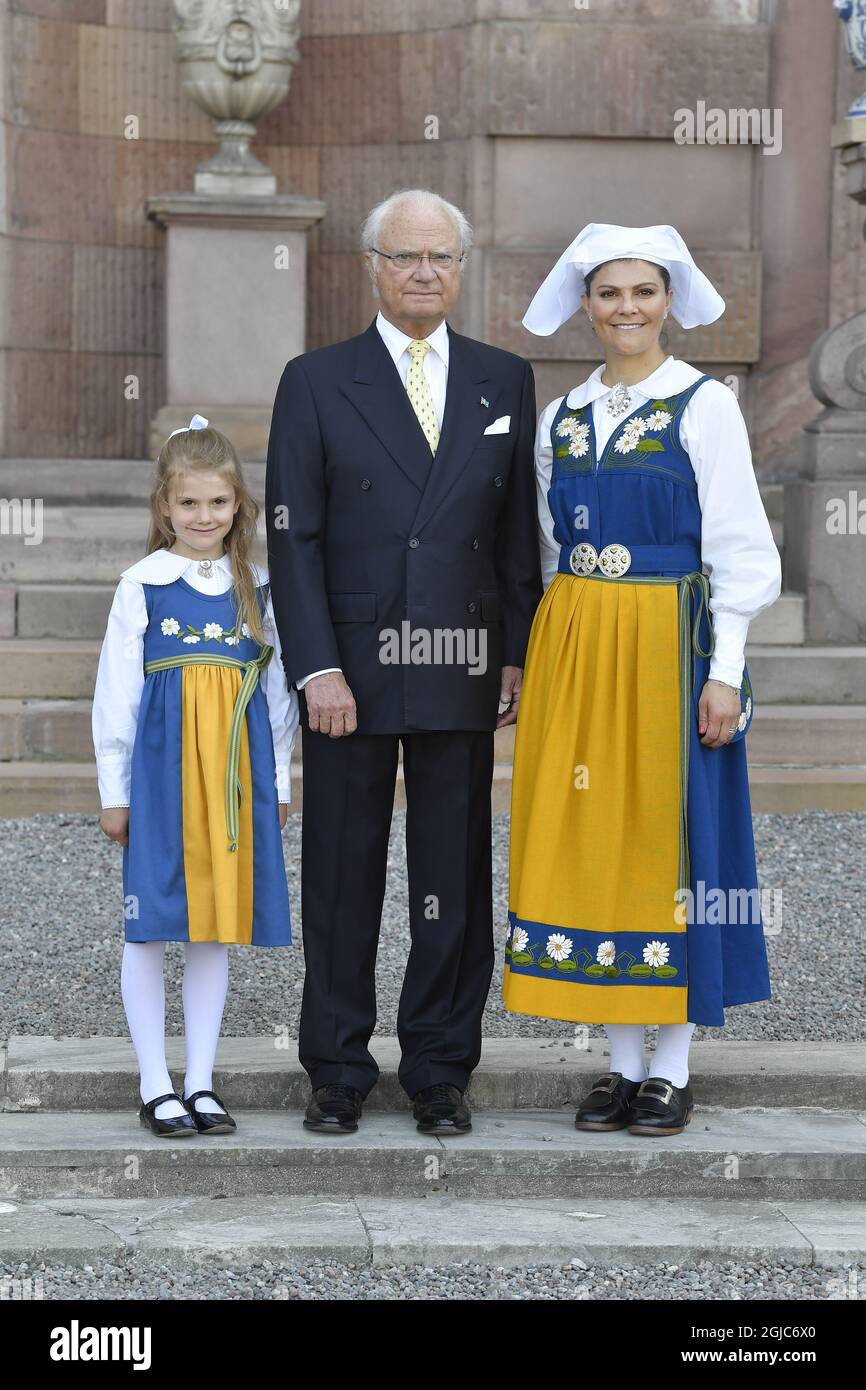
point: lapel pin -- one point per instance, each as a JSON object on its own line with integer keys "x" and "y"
{"x": 485, "y": 401}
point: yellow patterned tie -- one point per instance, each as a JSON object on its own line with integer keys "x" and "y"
{"x": 418, "y": 390}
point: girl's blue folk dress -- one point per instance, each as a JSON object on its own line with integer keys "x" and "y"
{"x": 633, "y": 893}
{"x": 205, "y": 855}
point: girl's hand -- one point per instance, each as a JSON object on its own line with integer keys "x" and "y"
{"x": 284, "y": 814}
{"x": 719, "y": 712}
{"x": 115, "y": 824}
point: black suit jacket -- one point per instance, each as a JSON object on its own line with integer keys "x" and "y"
{"x": 367, "y": 530}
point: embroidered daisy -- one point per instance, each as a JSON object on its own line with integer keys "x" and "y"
{"x": 656, "y": 953}
{"x": 212, "y": 630}
{"x": 558, "y": 946}
{"x": 627, "y": 441}
{"x": 170, "y": 627}
{"x": 192, "y": 638}
{"x": 579, "y": 442}
{"x": 568, "y": 426}
{"x": 519, "y": 939}
{"x": 658, "y": 420}
{"x": 231, "y": 641}
{"x": 606, "y": 953}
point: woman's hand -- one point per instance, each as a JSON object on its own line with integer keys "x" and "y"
{"x": 115, "y": 824}
{"x": 284, "y": 814}
{"x": 719, "y": 713}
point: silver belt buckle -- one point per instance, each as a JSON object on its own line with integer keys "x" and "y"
{"x": 583, "y": 558}
{"x": 614, "y": 560}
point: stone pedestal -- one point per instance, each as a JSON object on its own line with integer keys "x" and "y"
{"x": 235, "y": 296}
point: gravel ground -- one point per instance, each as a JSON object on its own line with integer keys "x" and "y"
{"x": 62, "y": 933}
{"x": 705, "y": 1282}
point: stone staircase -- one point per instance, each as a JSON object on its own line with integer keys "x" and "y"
{"x": 783, "y": 1178}
{"x": 807, "y": 744}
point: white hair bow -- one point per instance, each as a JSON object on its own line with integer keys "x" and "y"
{"x": 198, "y": 422}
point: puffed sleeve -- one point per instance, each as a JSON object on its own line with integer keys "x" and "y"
{"x": 282, "y": 708}
{"x": 117, "y": 693}
{"x": 548, "y": 545}
{"x": 737, "y": 546}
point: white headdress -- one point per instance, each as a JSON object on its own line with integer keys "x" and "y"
{"x": 695, "y": 300}
{"x": 198, "y": 422}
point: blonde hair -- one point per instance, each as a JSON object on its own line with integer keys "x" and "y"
{"x": 208, "y": 451}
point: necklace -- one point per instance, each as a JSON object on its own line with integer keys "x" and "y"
{"x": 620, "y": 400}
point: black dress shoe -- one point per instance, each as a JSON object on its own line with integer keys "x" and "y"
{"x": 661, "y": 1108}
{"x": 175, "y": 1127}
{"x": 608, "y": 1105}
{"x": 334, "y": 1109}
{"x": 441, "y": 1109}
{"x": 209, "y": 1121}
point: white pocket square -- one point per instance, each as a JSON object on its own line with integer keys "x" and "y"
{"x": 500, "y": 426}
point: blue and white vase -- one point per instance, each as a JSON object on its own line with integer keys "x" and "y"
{"x": 853, "y": 16}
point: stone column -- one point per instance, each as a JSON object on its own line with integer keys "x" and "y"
{"x": 235, "y": 281}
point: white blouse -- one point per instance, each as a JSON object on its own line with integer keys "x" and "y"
{"x": 120, "y": 674}
{"x": 737, "y": 546}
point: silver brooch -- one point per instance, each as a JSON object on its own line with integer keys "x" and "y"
{"x": 205, "y": 569}
{"x": 620, "y": 400}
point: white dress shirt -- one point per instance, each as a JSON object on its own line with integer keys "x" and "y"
{"x": 435, "y": 369}
{"x": 737, "y": 547}
{"x": 120, "y": 674}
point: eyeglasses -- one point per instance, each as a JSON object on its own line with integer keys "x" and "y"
{"x": 410, "y": 260}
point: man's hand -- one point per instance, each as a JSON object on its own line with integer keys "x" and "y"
{"x": 331, "y": 705}
{"x": 718, "y": 711}
{"x": 115, "y": 824}
{"x": 512, "y": 682}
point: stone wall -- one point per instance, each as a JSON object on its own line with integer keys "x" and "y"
{"x": 546, "y": 116}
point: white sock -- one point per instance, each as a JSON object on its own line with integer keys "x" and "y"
{"x": 627, "y": 1049}
{"x": 205, "y": 985}
{"x": 142, "y": 988}
{"x": 671, "y": 1057}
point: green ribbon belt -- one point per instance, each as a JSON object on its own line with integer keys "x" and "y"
{"x": 252, "y": 670}
{"x": 694, "y": 589}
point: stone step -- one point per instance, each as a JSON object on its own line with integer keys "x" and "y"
{"x": 728, "y": 1155}
{"x": 782, "y": 624}
{"x": 263, "y": 1073}
{"x": 94, "y": 482}
{"x": 781, "y": 735}
{"x": 29, "y": 788}
{"x": 808, "y": 675}
{"x": 190, "y": 1232}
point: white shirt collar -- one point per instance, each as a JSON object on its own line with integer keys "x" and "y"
{"x": 164, "y": 567}
{"x": 396, "y": 341}
{"x": 672, "y": 376}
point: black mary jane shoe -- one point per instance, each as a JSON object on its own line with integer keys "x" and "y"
{"x": 334, "y": 1109}
{"x": 209, "y": 1121}
{"x": 608, "y": 1105}
{"x": 441, "y": 1109}
{"x": 661, "y": 1108}
{"x": 174, "y": 1126}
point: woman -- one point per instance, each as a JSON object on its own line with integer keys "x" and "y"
{"x": 633, "y": 890}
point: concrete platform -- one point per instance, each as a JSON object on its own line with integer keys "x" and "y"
{"x": 195, "y": 1232}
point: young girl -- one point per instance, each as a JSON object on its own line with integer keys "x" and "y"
{"x": 193, "y": 727}
{"x": 630, "y": 794}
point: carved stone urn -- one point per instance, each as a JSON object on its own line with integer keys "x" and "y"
{"x": 235, "y": 60}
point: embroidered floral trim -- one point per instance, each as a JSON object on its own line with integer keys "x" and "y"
{"x": 211, "y": 632}
{"x": 633, "y": 431}
{"x": 576, "y": 431}
{"x": 556, "y": 954}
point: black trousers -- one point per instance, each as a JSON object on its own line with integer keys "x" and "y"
{"x": 348, "y": 798}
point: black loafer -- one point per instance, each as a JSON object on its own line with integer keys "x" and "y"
{"x": 441, "y": 1109}
{"x": 175, "y": 1127}
{"x": 334, "y": 1109}
{"x": 209, "y": 1121}
{"x": 661, "y": 1108}
{"x": 608, "y": 1105}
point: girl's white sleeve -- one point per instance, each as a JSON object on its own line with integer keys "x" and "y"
{"x": 282, "y": 708}
{"x": 117, "y": 694}
{"x": 737, "y": 546}
{"x": 547, "y": 544}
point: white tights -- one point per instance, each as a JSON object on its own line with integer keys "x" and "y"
{"x": 671, "y": 1057}
{"x": 205, "y": 984}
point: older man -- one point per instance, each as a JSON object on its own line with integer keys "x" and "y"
{"x": 405, "y": 573}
